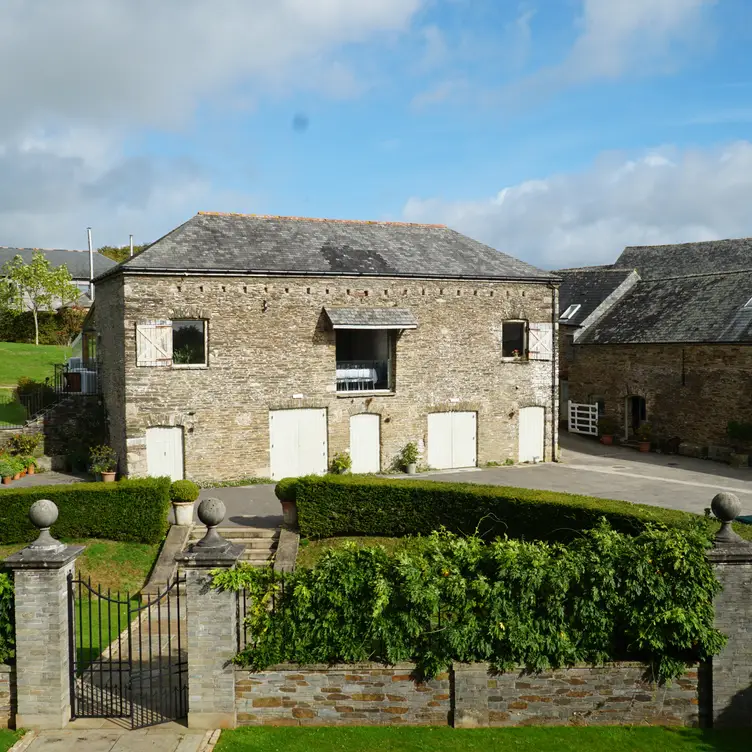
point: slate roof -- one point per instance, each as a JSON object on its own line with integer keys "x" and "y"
{"x": 381, "y": 318}
{"x": 246, "y": 243}
{"x": 692, "y": 309}
{"x": 588, "y": 287}
{"x": 76, "y": 261}
{"x": 660, "y": 261}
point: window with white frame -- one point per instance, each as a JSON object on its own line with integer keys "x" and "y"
{"x": 570, "y": 312}
{"x": 179, "y": 344}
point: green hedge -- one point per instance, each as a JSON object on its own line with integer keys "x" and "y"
{"x": 353, "y": 505}
{"x": 130, "y": 510}
{"x": 57, "y": 328}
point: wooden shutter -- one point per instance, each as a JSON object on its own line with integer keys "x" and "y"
{"x": 540, "y": 342}
{"x": 154, "y": 343}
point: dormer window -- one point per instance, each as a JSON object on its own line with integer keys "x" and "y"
{"x": 748, "y": 304}
{"x": 570, "y": 312}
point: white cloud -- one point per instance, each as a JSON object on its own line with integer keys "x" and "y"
{"x": 664, "y": 196}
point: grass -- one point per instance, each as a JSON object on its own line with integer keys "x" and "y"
{"x": 8, "y": 739}
{"x": 121, "y": 567}
{"x": 35, "y": 362}
{"x": 12, "y": 412}
{"x": 310, "y": 552}
{"x": 441, "y": 739}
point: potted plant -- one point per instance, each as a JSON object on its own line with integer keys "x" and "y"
{"x": 607, "y": 428}
{"x": 7, "y": 470}
{"x": 341, "y": 463}
{"x": 183, "y": 493}
{"x": 31, "y": 464}
{"x": 409, "y": 457}
{"x": 644, "y": 433}
{"x": 103, "y": 461}
{"x": 285, "y": 491}
{"x": 18, "y": 467}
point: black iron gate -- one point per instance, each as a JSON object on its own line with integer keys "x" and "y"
{"x": 127, "y": 658}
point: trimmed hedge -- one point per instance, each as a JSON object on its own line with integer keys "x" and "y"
{"x": 130, "y": 510}
{"x": 351, "y": 505}
{"x": 184, "y": 491}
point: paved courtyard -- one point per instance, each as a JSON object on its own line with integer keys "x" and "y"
{"x": 587, "y": 467}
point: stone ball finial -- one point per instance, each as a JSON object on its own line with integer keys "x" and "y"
{"x": 43, "y": 514}
{"x": 726, "y": 506}
{"x": 211, "y": 512}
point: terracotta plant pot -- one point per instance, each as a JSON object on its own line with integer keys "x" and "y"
{"x": 289, "y": 513}
{"x": 108, "y": 477}
{"x": 23, "y": 472}
{"x": 607, "y": 439}
{"x": 183, "y": 511}
{"x": 31, "y": 469}
{"x": 17, "y": 476}
{"x": 7, "y": 480}
{"x": 644, "y": 446}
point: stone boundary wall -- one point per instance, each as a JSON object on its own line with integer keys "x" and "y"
{"x": 7, "y": 696}
{"x": 468, "y": 696}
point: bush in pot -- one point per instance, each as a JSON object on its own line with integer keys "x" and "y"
{"x": 341, "y": 463}
{"x": 183, "y": 493}
{"x": 607, "y": 428}
{"x": 103, "y": 461}
{"x": 409, "y": 457}
{"x": 285, "y": 492}
{"x": 7, "y": 469}
{"x": 644, "y": 434}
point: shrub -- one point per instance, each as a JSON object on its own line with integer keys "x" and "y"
{"x": 7, "y": 467}
{"x": 184, "y": 490}
{"x": 57, "y": 328}
{"x": 102, "y": 459}
{"x": 285, "y": 489}
{"x": 21, "y": 443}
{"x": 644, "y": 432}
{"x": 131, "y": 510}
{"x": 739, "y": 432}
{"x": 409, "y": 454}
{"x": 358, "y": 505}
{"x": 7, "y": 620}
{"x": 606, "y": 596}
{"x": 607, "y": 426}
{"x": 341, "y": 463}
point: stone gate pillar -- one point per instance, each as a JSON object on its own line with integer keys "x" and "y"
{"x": 731, "y": 670}
{"x": 211, "y": 625}
{"x": 40, "y": 574}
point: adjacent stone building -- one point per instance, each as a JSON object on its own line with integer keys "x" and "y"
{"x": 663, "y": 335}
{"x": 241, "y": 345}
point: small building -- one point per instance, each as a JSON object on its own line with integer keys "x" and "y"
{"x": 77, "y": 263}
{"x": 663, "y": 335}
{"x": 243, "y": 345}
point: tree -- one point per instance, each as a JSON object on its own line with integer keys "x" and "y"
{"x": 35, "y": 287}
{"x": 120, "y": 253}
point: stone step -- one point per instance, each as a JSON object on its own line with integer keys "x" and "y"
{"x": 236, "y": 533}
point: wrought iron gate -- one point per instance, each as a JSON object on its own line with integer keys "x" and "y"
{"x": 127, "y": 659}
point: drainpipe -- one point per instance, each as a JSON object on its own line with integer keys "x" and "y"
{"x": 554, "y": 372}
{"x": 91, "y": 265}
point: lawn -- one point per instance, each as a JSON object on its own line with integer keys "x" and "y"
{"x": 8, "y": 739}
{"x": 310, "y": 552}
{"x": 121, "y": 567}
{"x": 36, "y": 362}
{"x": 441, "y": 739}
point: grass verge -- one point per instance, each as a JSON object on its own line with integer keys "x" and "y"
{"x": 310, "y": 551}
{"x": 33, "y": 361}
{"x": 8, "y": 739}
{"x": 441, "y": 739}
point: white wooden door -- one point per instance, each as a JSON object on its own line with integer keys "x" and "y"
{"x": 532, "y": 432}
{"x": 451, "y": 440}
{"x": 297, "y": 442}
{"x": 164, "y": 452}
{"x": 365, "y": 443}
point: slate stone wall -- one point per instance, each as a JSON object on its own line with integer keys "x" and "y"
{"x": 469, "y": 696}
{"x": 7, "y": 695}
{"x": 690, "y": 391}
{"x": 268, "y": 340}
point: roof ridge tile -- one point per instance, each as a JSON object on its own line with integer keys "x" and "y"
{"x": 320, "y": 219}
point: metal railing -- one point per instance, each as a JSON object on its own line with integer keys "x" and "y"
{"x": 18, "y": 407}
{"x": 362, "y": 375}
{"x": 75, "y": 377}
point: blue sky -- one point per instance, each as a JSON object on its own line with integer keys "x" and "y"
{"x": 558, "y": 130}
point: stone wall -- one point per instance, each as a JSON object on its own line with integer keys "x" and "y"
{"x": 468, "y": 696}
{"x": 7, "y": 695}
{"x": 358, "y": 695}
{"x": 270, "y": 347}
{"x": 691, "y": 391}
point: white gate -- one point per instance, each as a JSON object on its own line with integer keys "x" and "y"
{"x": 297, "y": 442}
{"x": 164, "y": 452}
{"x": 365, "y": 443}
{"x": 583, "y": 418}
{"x": 532, "y": 430}
{"x": 451, "y": 440}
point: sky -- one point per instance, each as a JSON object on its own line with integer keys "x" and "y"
{"x": 558, "y": 131}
